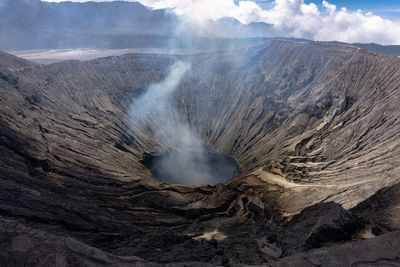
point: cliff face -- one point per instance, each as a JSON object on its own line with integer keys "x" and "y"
{"x": 309, "y": 124}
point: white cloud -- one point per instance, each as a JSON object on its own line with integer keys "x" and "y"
{"x": 79, "y": 1}
{"x": 293, "y": 17}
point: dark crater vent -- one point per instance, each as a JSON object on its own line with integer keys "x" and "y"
{"x": 180, "y": 166}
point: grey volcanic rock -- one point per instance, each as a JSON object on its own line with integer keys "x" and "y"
{"x": 23, "y": 246}
{"x": 381, "y": 210}
{"x": 324, "y": 222}
{"x": 380, "y": 251}
{"x": 313, "y": 127}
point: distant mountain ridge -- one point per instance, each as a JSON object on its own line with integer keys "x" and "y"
{"x": 389, "y": 50}
{"x": 33, "y": 24}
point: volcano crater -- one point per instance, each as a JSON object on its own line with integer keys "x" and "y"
{"x": 188, "y": 166}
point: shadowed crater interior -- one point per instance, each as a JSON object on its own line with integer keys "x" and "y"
{"x": 191, "y": 167}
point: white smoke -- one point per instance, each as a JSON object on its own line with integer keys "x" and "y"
{"x": 186, "y": 166}
{"x": 293, "y": 18}
{"x": 154, "y": 113}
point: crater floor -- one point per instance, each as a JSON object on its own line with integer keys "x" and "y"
{"x": 191, "y": 167}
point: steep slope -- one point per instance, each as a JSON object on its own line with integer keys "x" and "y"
{"x": 308, "y": 124}
{"x": 8, "y": 61}
{"x": 307, "y": 113}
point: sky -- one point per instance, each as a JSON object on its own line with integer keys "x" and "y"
{"x": 386, "y": 8}
{"x": 350, "y": 21}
